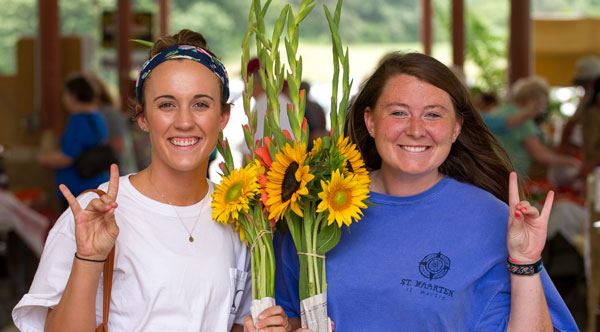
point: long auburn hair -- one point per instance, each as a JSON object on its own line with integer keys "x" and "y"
{"x": 476, "y": 157}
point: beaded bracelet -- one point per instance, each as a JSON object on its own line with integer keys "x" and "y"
{"x": 524, "y": 269}
{"x": 91, "y": 260}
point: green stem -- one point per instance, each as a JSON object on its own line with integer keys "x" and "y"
{"x": 309, "y": 259}
{"x": 314, "y": 234}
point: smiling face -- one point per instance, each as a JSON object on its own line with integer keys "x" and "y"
{"x": 182, "y": 114}
{"x": 414, "y": 125}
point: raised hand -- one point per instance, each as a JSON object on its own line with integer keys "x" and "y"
{"x": 95, "y": 227}
{"x": 527, "y": 227}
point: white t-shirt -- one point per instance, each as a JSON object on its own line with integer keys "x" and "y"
{"x": 161, "y": 281}
{"x": 261, "y": 108}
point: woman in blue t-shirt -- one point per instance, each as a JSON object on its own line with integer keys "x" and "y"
{"x": 85, "y": 129}
{"x": 435, "y": 253}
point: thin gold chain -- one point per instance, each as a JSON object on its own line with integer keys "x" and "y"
{"x": 191, "y": 238}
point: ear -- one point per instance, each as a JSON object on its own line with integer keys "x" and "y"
{"x": 225, "y": 114}
{"x": 141, "y": 118}
{"x": 456, "y": 130}
{"x": 370, "y": 121}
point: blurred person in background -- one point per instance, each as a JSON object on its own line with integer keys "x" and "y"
{"x": 315, "y": 116}
{"x": 581, "y": 134}
{"x": 80, "y": 97}
{"x": 486, "y": 102}
{"x": 529, "y": 96}
{"x": 119, "y": 133}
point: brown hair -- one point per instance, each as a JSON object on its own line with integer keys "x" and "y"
{"x": 183, "y": 37}
{"x": 104, "y": 96}
{"x": 476, "y": 157}
{"x": 81, "y": 87}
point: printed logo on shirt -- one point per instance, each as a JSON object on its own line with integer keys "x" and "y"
{"x": 434, "y": 266}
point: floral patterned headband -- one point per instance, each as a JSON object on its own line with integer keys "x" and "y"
{"x": 194, "y": 53}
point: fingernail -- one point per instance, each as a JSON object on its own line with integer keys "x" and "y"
{"x": 261, "y": 316}
{"x": 517, "y": 214}
{"x": 258, "y": 325}
{"x": 519, "y": 206}
{"x": 525, "y": 209}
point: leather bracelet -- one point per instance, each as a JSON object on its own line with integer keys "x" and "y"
{"x": 524, "y": 269}
{"x": 91, "y": 260}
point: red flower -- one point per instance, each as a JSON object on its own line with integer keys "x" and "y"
{"x": 264, "y": 155}
{"x": 287, "y": 134}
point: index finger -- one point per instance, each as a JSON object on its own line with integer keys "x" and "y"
{"x": 513, "y": 190}
{"x": 547, "y": 205}
{"x": 73, "y": 203}
{"x": 113, "y": 182}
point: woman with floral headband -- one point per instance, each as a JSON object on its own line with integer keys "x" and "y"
{"x": 174, "y": 268}
{"x": 435, "y": 253}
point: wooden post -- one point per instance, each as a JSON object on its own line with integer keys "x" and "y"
{"x": 50, "y": 71}
{"x": 458, "y": 33}
{"x": 164, "y": 11}
{"x": 519, "y": 48}
{"x": 124, "y": 51}
{"x": 426, "y": 26}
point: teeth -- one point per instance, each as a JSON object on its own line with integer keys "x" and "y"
{"x": 184, "y": 141}
{"x": 414, "y": 148}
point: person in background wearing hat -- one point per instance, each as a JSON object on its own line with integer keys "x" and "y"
{"x": 587, "y": 116}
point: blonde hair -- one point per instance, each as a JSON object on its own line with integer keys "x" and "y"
{"x": 525, "y": 89}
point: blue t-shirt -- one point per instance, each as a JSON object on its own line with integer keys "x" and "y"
{"x": 435, "y": 261}
{"x": 78, "y": 136}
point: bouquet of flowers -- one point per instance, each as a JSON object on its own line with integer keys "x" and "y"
{"x": 316, "y": 191}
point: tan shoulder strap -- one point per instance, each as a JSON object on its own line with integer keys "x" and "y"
{"x": 108, "y": 274}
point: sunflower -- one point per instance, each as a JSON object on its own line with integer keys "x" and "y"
{"x": 317, "y": 147}
{"x": 234, "y": 194}
{"x": 287, "y": 180}
{"x": 353, "y": 162}
{"x": 239, "y": 228}
{"x": 343, "y": 197}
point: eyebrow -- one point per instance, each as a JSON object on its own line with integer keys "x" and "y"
{"x": 200, "y": 95}
{"x": 428, "y": 107}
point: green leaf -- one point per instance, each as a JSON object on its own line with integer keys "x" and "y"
{"x": 143, "y": 42}
{"x": 328, "y": 237}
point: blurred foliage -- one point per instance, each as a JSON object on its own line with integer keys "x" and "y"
{"x": 224, "y": 22}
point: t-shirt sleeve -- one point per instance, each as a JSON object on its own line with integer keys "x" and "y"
{"x": 528, "y": 129}
{"x": 51, "y": 276}
{"x": 497, "y": 312}
{"x": 286, "y": 279}
{"x": 562, "y": 320}
{"x": 115, "y": 123}
{"x": 496, "y": 123}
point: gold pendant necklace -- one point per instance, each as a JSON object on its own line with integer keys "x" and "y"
{"x": 191, "y": 238}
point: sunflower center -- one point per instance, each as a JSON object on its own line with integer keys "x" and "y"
{"x": 339, "y": 199}
{"x": 233, "y": 193}
{"x": 289, "y": 185}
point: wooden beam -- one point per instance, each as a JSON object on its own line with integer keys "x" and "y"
{"x": 48, "y": 54}
{"x": 519, "y": 48}
{"x": 164, "y": 11}
{"x": 458, "y": 33}
{"x": 426, "y": 26}
{"x": 124, "y": 52}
